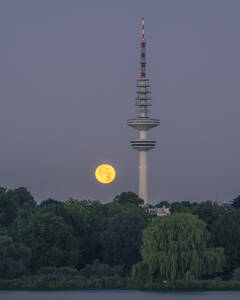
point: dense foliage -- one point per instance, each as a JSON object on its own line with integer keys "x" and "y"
{"x": 176, "y": 247}
{"x": 226, "y": 233}
{"x": 82, "y": 244}
{"x": 236, "y": 202}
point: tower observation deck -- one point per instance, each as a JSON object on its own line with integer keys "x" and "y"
{"x": 143, "y": 123}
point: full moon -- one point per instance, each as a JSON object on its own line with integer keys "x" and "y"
{"x": 105, "y": 173}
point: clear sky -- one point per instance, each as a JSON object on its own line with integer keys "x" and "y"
{"x": 67, "y": 85}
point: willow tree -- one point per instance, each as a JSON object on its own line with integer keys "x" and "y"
{"x": 176, "y": 247}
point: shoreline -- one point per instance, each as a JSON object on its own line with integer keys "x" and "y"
{"x": 98, "y": 284}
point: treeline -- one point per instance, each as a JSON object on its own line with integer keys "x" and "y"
{"x": 87, "y": 244}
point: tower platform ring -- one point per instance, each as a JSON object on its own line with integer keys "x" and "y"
{"x": 143, "y": 124}
{"x": 143, "y": 145}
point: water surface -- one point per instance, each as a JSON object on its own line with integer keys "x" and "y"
{"x": 117, "y": 295}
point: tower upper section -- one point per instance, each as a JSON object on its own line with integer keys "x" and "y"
{"x": 143, "y": 98}
{"x": 143, "y": 87}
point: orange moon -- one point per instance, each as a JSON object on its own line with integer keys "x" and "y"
{"x": 105, "y": 173}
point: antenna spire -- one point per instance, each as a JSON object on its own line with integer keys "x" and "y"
{"x": 143, "y": 52}
{"x": 143, "y": 40}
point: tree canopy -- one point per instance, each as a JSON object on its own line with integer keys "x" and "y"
{"x": 89, "y": 238}
{"x": 14, "y": 258}
{"x": 176, "y": 247}
{"x": 122, "y": 239}
{"x": 236, "y": 202}
{"x": 226, "y": 233}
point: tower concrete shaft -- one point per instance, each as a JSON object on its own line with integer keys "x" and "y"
{"x": 143, "y": 123}
{"x": 142, "y": 176}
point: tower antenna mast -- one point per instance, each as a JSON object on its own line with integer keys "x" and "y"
{"x": 143, "y": 123}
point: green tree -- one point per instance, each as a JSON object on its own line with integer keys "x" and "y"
{"x": 163, "y": 203}
{"x": 236, "y": 202}
{"x": 128, "y": 197}
{"x": 121, "y": 241}
{"x": 8, "y": 207}
{"x": 127, "y": 202}
{"x": 51, "y": 240}
{"x": 51, "y": 202}
{"x": 14, "y": 258}
{"x": 208, "y": 212}
{"x": 24, "y": 198}
{"x": 176, "y": 247}
{"x": 225, "y": 233}
{"x": 93, "y": 221}
{"x": 88, "y": 220}
{"x": 14, "y": 203}
{"x": 181, "y": 207}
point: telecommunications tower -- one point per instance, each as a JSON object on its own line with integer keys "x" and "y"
{"x": 143, "y": 123}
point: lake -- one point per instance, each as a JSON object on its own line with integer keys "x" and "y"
{"x": 116, "y": 295}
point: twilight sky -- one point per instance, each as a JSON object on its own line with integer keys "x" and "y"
{"x": 67, "y": 85}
